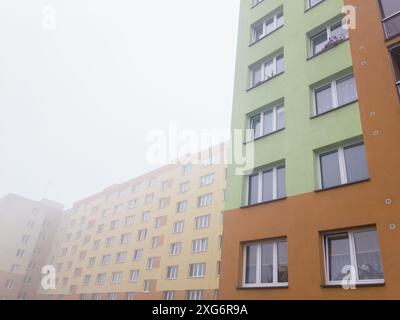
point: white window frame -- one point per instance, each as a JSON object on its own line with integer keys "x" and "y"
{"x": 168, "y": 295}
{"x": 175, "y": 249}
{"x": 200, "y": 245}
{"x": 205, "y": 200}
{"x": 258, "y": 283}
{"x": 134, "y": 275}
{"x": 199, "y": 270}
{"x": 334, "y": 94}
{"x": 274, "y": 109}
{"x": 274, "y": 16}
{"x": 260, "y": 183}
{"x": 261, "y": 65}
{"x": 101, "y": 278}
{"x": 120, "y": 257}
{"x": 146, "y": 286}
{"x": 126, "y": 238}
{"x": 113, "y": 296}
{"x": 155, "y": 242}
{"x": 202, "y": 222}
{"x": 207, "y": 180}
{"x": 182, "y": 206}
{"x": 142, "y": 234}
{"x": 138, "y": 255}
{"x": 180, "y": 229}
{"x": 309, "y": 6}
{"x": 342, "y": 162}
{"x": 116, "y": 277}
{"x": 194, "y": 294}
{"x": 129, "y": 221}
{"x": 172, "y": 272}
{"x": 184, "y": 187}
{"x": 328, "y": 30}
{"x": 150, "y": 263}
{"x": 353, "y": 257}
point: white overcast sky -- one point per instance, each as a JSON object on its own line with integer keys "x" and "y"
{"x": 77, "y": 100}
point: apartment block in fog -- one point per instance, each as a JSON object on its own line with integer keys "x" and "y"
{"x": 157, "y": 236}
{"x": 321, "y": 206}
{"x": 27, "y": 230}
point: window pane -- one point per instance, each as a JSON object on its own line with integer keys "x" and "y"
{"x": 318, "y": 42}
{"x": 281, "y": 177}
{"x": 330, "y": 171}
{"x": 338, "y": 255}
{"x": 356, "y": 163}
{"x": 283, "y": 274}
{"x": 251, "y": 264}
{"x": 257, "y": 75}
{"x": 369, "y": 262}
{"x": 338, "y": 32}
{"x": 390, "y": 7}
{"x": 267, "y": 185}
{"x": 280, "y": 118}
{"x": 323, "y": 99}
{"x": 253, "y": 189}
{"x": 313, "y": 2}
{"x": 268, "y": 121}
{"x": 258, "y": 32}
{"x": 279, "y": 20}
{"x": 269, "y": 70}
{"x": 346, "y": 90}
{"x": 269, "y": 25}
{"x": 255, "y": 125}
{"x": 280, "y": 64}
{"x": 267, "y": 263}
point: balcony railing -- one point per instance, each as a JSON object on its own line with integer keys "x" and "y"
{"x": 391, "y": 24}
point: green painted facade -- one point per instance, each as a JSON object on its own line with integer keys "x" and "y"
{"x": 302, "y": 135}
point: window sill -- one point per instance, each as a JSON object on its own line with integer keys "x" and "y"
{"x": 263, "y": 136}
{"x": 342, "y": 185}
{"x": 256, "y": 5}
{"x": 334, "y": 109}
{"x": 358, "y": 285}
{"x": 262, "y": 203}
{"x": 265, "y": 81}
{"x": 264, "y": 287}
{"x": 266, "y": 36}
{"x": 328, "y": 49}
{"x": 316, "y": 5}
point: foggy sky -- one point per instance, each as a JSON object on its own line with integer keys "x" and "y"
{"x": 79, "y": 94}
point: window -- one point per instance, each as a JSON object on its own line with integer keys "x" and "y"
{"x": 197, "y": 270}
{"x": 118, "y": 209}
{"x": 105, "y": 260}
{"x": 175, "y": 249}
{"x": 101, "y": 278}
{"x": 20, "y": 253}
{"x": 9, "y": 284}
{"x": 184, "y": 187}
{"x": 155, "y": 242}
{"x": 96, "y": 296}
{"x": 25, "y": 239}
{"x": 265, "y": 264}
{"x": 200, "y": 245}
{"x": 312, "y": 3}
{"x": 336, "y": 94}
{"x": 181, "y": 206}
{"x": 328, "y": 38}
{"x": 142, "y": 234}
{"x": 358, "y": 249}
{"x": 92, "y": 262}
{"x": 133, "y": 204}
{"x": 149, "y": 198}
{"x": 172, "y": 272}
{"x": 205, "y": 201}
{"x": 267, "y": 122}
{"x": 100, "y": 228}
{"x": 116, "y": 277}
{"x": 187, "y": 169}
{"x": 86, "y": 280}
{"x": 126, "y": 238}
{"x": 166, "y": 185}
{"x": 152, "y": 182}
{"x": 134, "y": 276}
{"x": 110, "y": 242}
{"x": 146, "y": 286}
{"x": 256, "y": 2}
{"x": 96, "y": 245}
{"x": 390, "y": 10}
{"x": 114, "y": 224}
{"x": 130, "y": 296}
{"x": 136, "y": 188}
{"x": 163, "y": 203}
{"x": 112, "y": 296}
{"x": 138, "y": 254}
{"x": 120, "y": 258}
{"x": 168, "y": 295}
{"x": 266, "y": 186}
{"x": 266, "y": 70}
{"x": 178, "y": 226}
{"x": 158, "y": 222}
{"x": 343, "y": 165}
{"x": 145, "y": 216}
{"x": 207, "y": 180}
{"x": 150, "y": 263}
{"x": 267, "y": 25}
{"x": 202, "y": 222}
{"x": 218, "y": 268}
{"x": 395, "y": 55}
{"x": 194, "y": 295}
{"x": 129, "y": 221}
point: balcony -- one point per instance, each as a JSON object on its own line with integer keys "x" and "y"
{"x": 395, "y": 55}
{"x": 391, "y": 25}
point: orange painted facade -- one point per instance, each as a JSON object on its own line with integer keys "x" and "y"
{"x": 303, "y": 219}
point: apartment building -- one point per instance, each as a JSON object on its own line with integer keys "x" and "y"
{"x": 157, "y": 236}
{"x": 319, "y": 212}
{"x": 27, "y": 229}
